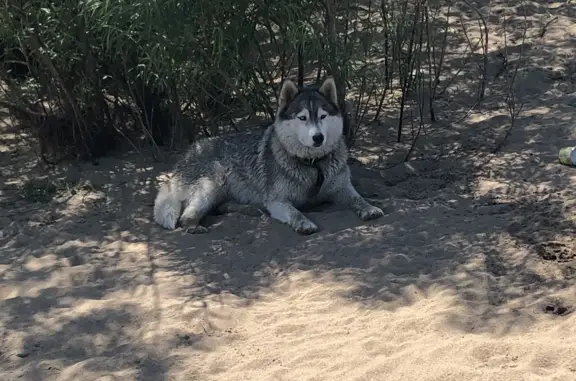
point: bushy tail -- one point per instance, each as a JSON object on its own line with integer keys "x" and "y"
{"x": 167, "y": 207}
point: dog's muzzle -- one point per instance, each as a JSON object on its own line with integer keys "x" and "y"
{"x": 318, "y": 139}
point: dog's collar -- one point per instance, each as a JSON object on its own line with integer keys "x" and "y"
{"x": 313, "y": 162}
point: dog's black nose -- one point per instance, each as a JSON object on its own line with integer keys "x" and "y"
{"x": 318, "y": 139}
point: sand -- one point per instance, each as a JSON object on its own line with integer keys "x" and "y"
{"x": 469, "y": 275}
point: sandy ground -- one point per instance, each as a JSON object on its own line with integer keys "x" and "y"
{"x": 470, "y": 275}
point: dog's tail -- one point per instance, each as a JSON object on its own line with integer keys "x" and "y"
{"x": 167, "y": 206}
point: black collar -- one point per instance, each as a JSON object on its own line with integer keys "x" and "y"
{"x": 314, "y": 163}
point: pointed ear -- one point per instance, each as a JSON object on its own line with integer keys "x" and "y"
{"x": 328, "y": 89}
{"x": 287, "y": 93}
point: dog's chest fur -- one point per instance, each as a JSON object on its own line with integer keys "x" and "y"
{"x": 304, "y": 181}
{"x": 318, "y": 174}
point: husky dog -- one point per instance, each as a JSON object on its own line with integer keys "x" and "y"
{"x": 299, "y": 160}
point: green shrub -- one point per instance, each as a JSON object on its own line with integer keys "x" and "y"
{"x": 167, "y": 71}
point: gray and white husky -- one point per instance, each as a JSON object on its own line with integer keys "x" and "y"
{"x": 300, "y": 160}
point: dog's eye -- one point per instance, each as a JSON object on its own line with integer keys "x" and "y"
{"x": 322, "y": 116}
{"x": 302, "y": 118}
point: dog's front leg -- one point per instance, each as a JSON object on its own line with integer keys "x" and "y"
{"x": 343, "y": 193}
{"x": 285, "y": 212}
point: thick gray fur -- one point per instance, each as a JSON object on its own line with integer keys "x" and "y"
{"x": 276, "y": 170}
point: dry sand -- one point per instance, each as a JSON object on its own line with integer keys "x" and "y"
{"x": 470, "y": 275}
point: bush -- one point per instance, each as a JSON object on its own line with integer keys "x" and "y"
{"x": 90, "y": 73}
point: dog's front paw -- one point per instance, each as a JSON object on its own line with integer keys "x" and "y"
{"x": 370, "y": 213}
{"x": 305, "y": 227}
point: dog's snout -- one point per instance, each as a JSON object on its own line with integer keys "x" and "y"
{"x": 318, "y": 139}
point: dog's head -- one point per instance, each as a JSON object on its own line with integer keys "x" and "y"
{"x": 309, "y": 122}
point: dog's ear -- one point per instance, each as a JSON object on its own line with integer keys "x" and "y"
{"x": 287, "y": 93}
{"x": 328, "y": 89}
